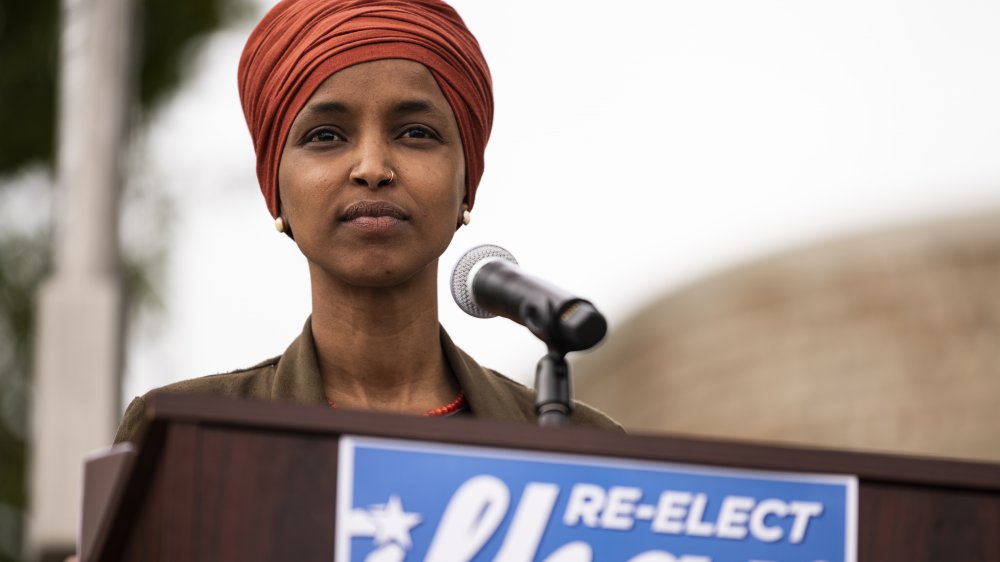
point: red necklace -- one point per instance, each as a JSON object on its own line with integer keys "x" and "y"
{"x": 450, "y": 408}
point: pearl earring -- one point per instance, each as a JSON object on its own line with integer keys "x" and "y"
{"x": 466, "y": 217}
{"x": 279, "y": 224}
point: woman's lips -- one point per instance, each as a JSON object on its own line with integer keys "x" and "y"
{"x": 373, "y": 216}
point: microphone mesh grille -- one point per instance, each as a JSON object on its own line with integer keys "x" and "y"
{"x": 461, "y": 286}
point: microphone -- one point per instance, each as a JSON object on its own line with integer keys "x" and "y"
{"x": 488, "y": 282}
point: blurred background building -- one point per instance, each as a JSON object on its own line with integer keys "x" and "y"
{"x": 729, "y": 181}
{"x": 881, "y": 342}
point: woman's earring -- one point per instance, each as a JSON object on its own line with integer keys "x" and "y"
{"x": 279, "y": 224}
{"x": 466, "y": 217}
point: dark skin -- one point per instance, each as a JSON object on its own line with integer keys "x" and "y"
{"x": 372, "y": 182}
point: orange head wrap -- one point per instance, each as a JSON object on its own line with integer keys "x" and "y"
{"x": 300, "y": 43}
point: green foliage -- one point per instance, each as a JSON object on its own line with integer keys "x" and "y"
{"x": 28, "y": 57}
{"x": 169, "y": 29}
{"x": 167, "y": 33}
{"x": 24, "y": 262}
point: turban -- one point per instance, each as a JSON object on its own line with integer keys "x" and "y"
{"x": 300, "y": 43}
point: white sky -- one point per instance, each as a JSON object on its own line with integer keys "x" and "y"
{"x": 637, "y": 146}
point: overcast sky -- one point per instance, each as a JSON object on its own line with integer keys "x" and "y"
{"x": 637, "y": 147}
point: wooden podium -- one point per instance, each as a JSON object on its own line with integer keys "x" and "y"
{"x": 223, "y": 480}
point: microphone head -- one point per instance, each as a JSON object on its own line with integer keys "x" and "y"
{"x": 465, "y": 271}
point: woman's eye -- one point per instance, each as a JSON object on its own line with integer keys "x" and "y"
{"x": 418, "y": 133}
{"x": 324, "y": 135}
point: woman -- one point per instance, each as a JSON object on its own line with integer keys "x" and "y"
{"x": 369, "y": 121}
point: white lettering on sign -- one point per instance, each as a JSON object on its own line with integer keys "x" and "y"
{"x": 585, "y": 504}
{"x": 670, "y": 512}
{"x": 576, "y": 551}
{"x": 530, "y": 521}
{"x": 471, "y": 518}
{"x": 803, "y": 511}
{"x": 683, "y": 513}
{"x": 480, "y": 505}
{"x": 620, "y": 507}
{"x": 656, "y": 556}
{"x": 758, "y": 521}
{"x": 477, "y": 508}
{"x": 694, "y": 524}
{"x": 733, "y": 517}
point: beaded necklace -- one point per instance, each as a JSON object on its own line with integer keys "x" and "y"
{"x": 450, "y": 408}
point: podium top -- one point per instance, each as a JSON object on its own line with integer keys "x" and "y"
{"x": 163, "y": 409}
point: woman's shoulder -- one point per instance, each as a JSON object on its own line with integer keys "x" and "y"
{"x": 251, "y": 382}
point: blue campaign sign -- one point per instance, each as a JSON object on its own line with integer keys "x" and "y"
{"x": 399, "y": 500}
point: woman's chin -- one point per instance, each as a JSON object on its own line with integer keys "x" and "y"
{"x": 380, "y": 274}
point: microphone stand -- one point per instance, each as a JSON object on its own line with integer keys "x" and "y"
{"x": 487, "y": 282}
{"x": 570, "y": 325}
{"x": 553, "y": 396}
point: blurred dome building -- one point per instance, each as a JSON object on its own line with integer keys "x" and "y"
{"x": 886, "y": 342}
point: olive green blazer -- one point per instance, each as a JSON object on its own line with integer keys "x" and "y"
{"x": 294, "y": 376}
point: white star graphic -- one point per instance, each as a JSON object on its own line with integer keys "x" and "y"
{"x": 392, "y": 524}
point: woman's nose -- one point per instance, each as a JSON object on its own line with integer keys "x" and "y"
{"x": 372, "y": 169}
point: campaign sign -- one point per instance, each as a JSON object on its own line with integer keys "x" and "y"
{"x": 400, "y": 500}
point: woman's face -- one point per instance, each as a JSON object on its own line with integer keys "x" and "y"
{"x": 372, "y": 176}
